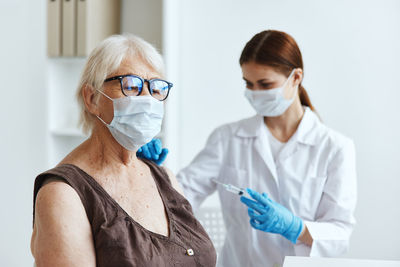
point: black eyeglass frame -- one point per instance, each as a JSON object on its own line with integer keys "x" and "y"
{"x": 120, "y": 77}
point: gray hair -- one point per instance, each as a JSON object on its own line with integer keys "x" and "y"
{"x": 106, "y": 59}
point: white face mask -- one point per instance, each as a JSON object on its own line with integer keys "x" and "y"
{"x": 271, "y": 102}
{"x": 137, "y": 119}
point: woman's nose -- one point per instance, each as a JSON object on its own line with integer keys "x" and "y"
{"x": 146, "y": 89}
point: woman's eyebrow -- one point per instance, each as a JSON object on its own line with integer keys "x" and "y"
{"x": 264, "y": 80}
{"x": 157, "y": 76}
{"x": 259, "y": 81}
{"x": 119, "y": 75}
{"x": 130, "y": 73}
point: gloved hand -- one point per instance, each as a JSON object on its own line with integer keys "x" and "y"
{"x": 153, "y": 151}
{"x": 269, "y": 216}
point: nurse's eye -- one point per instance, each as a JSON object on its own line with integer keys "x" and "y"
{"x": 266, "y": 85}
{"x": 249, "y": 85}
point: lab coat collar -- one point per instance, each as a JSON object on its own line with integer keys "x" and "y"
{"x": 306, "y": 132}
{"x": 251, "y": 127}
{"x": 255, "y": 127}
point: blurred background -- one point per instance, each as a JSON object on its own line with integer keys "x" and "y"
{"x": 351, "y": 53}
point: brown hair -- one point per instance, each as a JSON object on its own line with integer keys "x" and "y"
{"x": 279, "y": 50}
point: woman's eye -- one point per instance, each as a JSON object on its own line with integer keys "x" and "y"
{"x": 131, "y": 88}
{"x": 265, "y": 85}
{"x": 156, "y": 92}
{"x": 249, "y": 85}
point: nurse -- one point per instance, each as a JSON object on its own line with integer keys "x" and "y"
{"x": 301, "y": 173}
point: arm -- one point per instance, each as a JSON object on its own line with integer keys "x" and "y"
{"x": 62, "y": 234}
{"x": 334, "y": 221}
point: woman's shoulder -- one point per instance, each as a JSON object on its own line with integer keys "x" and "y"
{"x": 246, "y": 126}
{"x": 55, "y": 199}
{"x": 62, "y": 182}
{"x": 53, "y": 186}
{"x": 333, "y": 138}
{"x": 65, "y": 172}
{"x": 54, "y": 190}
{"x": 59, "y": 219}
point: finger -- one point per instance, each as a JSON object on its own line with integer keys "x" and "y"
{"x": 267, "y": 207}
{"x": 252, "y": 212}
{"x": 146, "y": 152}
{"x": 163, "y": 156}
{"x": 265, "y": 226}
{"x": 257, "y": 196}
{"x": 248, "y": 201}
{"x": 255, "y": 225}
{"x": 157, "y": 146}
{"x": 152, "y": 150}
{"x": 259, "y": 217}
{"x": 252, "y": 204}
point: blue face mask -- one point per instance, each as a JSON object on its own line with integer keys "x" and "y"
{"x": 271, "y": 102}
{"x": 137, "y": 120}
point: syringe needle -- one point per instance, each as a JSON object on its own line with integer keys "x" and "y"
{"x": 217, "y": 182}
{"x": 231, "y": 188}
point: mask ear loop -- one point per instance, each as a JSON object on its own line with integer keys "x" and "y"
{"x": 287, "y": 80}
{"x": 105, "y": 123}
{"x": 104, "y": 94}
{"x": 290, "y": 76}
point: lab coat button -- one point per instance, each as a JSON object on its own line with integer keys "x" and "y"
{"x": 190, "y": 252}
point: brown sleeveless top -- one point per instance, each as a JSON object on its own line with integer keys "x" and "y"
{"x": 120, "y": 241}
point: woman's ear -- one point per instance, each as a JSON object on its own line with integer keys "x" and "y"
{"x": 89, "y": 98}
{"x": 298, "y": 76}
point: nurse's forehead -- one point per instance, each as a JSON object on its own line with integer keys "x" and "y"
{"x": 255, "y": 67}
{"x": 260, "y": 73}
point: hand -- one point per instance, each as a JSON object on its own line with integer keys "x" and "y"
{"x": 269, "y": 216}
{"x": 153, "y": 151}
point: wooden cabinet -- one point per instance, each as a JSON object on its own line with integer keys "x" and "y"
{"x": 74, "y": 27}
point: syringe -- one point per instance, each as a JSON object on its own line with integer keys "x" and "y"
{"x": 233, "y": 189}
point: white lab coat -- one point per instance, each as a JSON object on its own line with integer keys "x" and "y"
{"x": 314, "y": 176}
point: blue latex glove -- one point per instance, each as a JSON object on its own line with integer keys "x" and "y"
{"x": 268, "y": 216}
{"x": 153, "y": 151}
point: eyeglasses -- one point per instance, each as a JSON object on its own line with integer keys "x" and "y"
{"x": 132, "y": 85}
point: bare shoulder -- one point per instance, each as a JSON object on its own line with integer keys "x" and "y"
{"x": 174, "y": 181}
{"x": 62, "y": 233}
{"x": 56, "y": 193}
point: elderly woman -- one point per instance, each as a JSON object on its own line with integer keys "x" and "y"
{"x": 101, "y": 205}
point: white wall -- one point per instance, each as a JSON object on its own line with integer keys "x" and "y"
{"x": 351, "y": 51}
{"x": 144, "y": 19}
{"x": 22, "y": 120}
